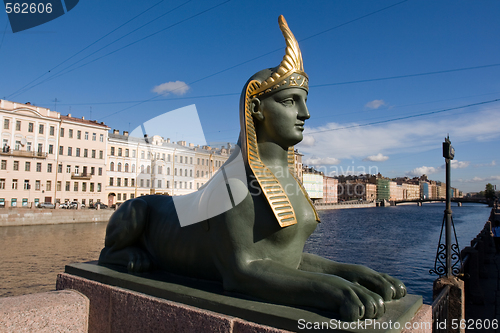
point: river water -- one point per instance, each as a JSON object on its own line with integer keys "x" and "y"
{"x": 400, "y": 241}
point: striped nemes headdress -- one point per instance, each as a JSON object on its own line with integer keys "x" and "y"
{"x": 289, "y": 74}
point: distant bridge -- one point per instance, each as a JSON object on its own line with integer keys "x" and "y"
{"x": 457, "y": 200}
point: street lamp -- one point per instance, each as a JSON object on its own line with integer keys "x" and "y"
{"x": 448, "y": 254}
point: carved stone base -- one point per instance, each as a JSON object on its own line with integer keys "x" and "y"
{"x": 122, "y": 302}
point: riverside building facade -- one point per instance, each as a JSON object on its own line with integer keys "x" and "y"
{"x": 154, "y": 165}
{"x": 48, "y": 157}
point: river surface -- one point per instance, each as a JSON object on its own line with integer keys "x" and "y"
{"x": 400, "y": 241}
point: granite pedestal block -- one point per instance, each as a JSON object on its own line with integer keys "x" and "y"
{"x": 154, "y": 302}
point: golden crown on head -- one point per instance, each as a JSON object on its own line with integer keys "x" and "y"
{"x": 290, "y": 73}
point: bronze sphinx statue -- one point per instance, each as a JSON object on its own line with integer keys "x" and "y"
{"x": 255, "y": 246}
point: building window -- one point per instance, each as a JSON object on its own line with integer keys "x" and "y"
{"x": 175, "y": 184}
{"x": 49, "y": 167}
{"x": 16, "y": 166}
{"x": 18, "y": 145}
{"x": 37, "y": 185}
{"x": 58, "y": 186}
{"x": 112, "y": 152}
{"x": 85, "y": 152}
{"x": 61, "y": 149}
{"x": 112, "y": 166}
{"x": 92, "y": 171}
{"x": 147, "y": 183}
{"x": 67, "y": 186}
{"x": 51, "y": 149}
{"x": 125, "y": 182}
{"x": 70, "y": 133}
{"x": 119, "y": 152}
{"x": 111, "y": 181}
{"x": 119, "y": 198}
{"x": 142, "y": 154}
{"x": 62, "y": 132}
{"x": 118, "y": 182}
{"x": 132, "y": 182}
{"x": 14, "y": 184}
{"x": 93, "y": 136}
{"x": 75, "y": 187}
{"x": 79, "y": 135}
{"x": 51, "y": 130}
{"x": 126, "y": 152}
{"x": 40, "y": 148}
{"x": 77, "y": 153}
{"x": 133, "y": 153}
{"x": 190, "y": 160}
{"x": 77, "y": 169}
{"x": 68, "y": 168}
{"x": 39, "y": 167}
{"x": 86, "y": 135}
{"x": 168, "y": 171}
{"x": 6, "y": 124}
{"x": 119, "y": 167}
{"x": 40, "y": 129}
{"x": 18, "y": 125}
{"x": 126, "y": 167}
{"x": 168, "y": 183}
{"x": 124, "y": 196}
{"x": 59, "y": 168}
{"x": 159, "y": 183}
{"x": 101, "y": 154}
{"x": 132, "y": 196}
{"x": 70, "y": 150}
{"x": 180, "y": 159}
{"x": 160, "y": 169}
{"x": 98, "y": 187}
{"x": 101, "y": 137}
{"x": 2, "y": 183}
{"x": 84, "y": 187}
{"x": 91, "y": 187}
{"x": 4, "y": 165}
{"x": 175, "y": 172}
{"x": 100, "y": 172}
{"x": 142, "y": 182}
{"x": 28, "y": 146}
{"x": 48, "y": 186}
{"x": 27, "y": 166}
{"x": 27, "y": 184}
{"x": 190, "y": 173}
{"x": 93, "y": 153}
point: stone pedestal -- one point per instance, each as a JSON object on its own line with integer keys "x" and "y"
{"x": 153, "y": 302}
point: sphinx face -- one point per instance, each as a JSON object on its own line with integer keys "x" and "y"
{"x": 282, "y": 119}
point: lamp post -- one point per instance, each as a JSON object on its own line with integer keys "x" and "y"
{"x": 448, "y": 255}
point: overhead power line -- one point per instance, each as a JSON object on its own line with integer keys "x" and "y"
{"x": 77, "y": 53}
{"x": 406, "y": 117}
{"x": 130, "y": 44}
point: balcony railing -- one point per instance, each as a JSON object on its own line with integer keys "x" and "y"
{"x": 82, "y": 176}
{"x": 22, "y": 153}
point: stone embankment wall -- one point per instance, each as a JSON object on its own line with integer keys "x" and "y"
{"x": 344, "y": 205}
{"x": 25, "y": 216}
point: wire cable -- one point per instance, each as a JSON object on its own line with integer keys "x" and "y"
{"x": 19, "y": 91}
{"x": 406, "y": 117}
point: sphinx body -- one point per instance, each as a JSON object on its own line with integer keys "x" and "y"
{"x": 255, "y": 247}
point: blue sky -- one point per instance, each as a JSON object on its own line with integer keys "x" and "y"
{"x": 204, "y": 51}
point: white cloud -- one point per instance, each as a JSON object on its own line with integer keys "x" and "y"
{"x": 417, "y": 172}
{"x": 493, "y": 163}
{"x": 479, "y": 179}
{"x": 459, "y": 164}
{"x": 376, "y": 158}
{"x": 375, "y": 104}
{"x": 321, "y": 161}
{"x": 392, "y": 138}
{"x": 307, "y": 141}
{"x": 177, "y": 87}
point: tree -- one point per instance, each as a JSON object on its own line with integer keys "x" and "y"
{"x": 489, "y": 192}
